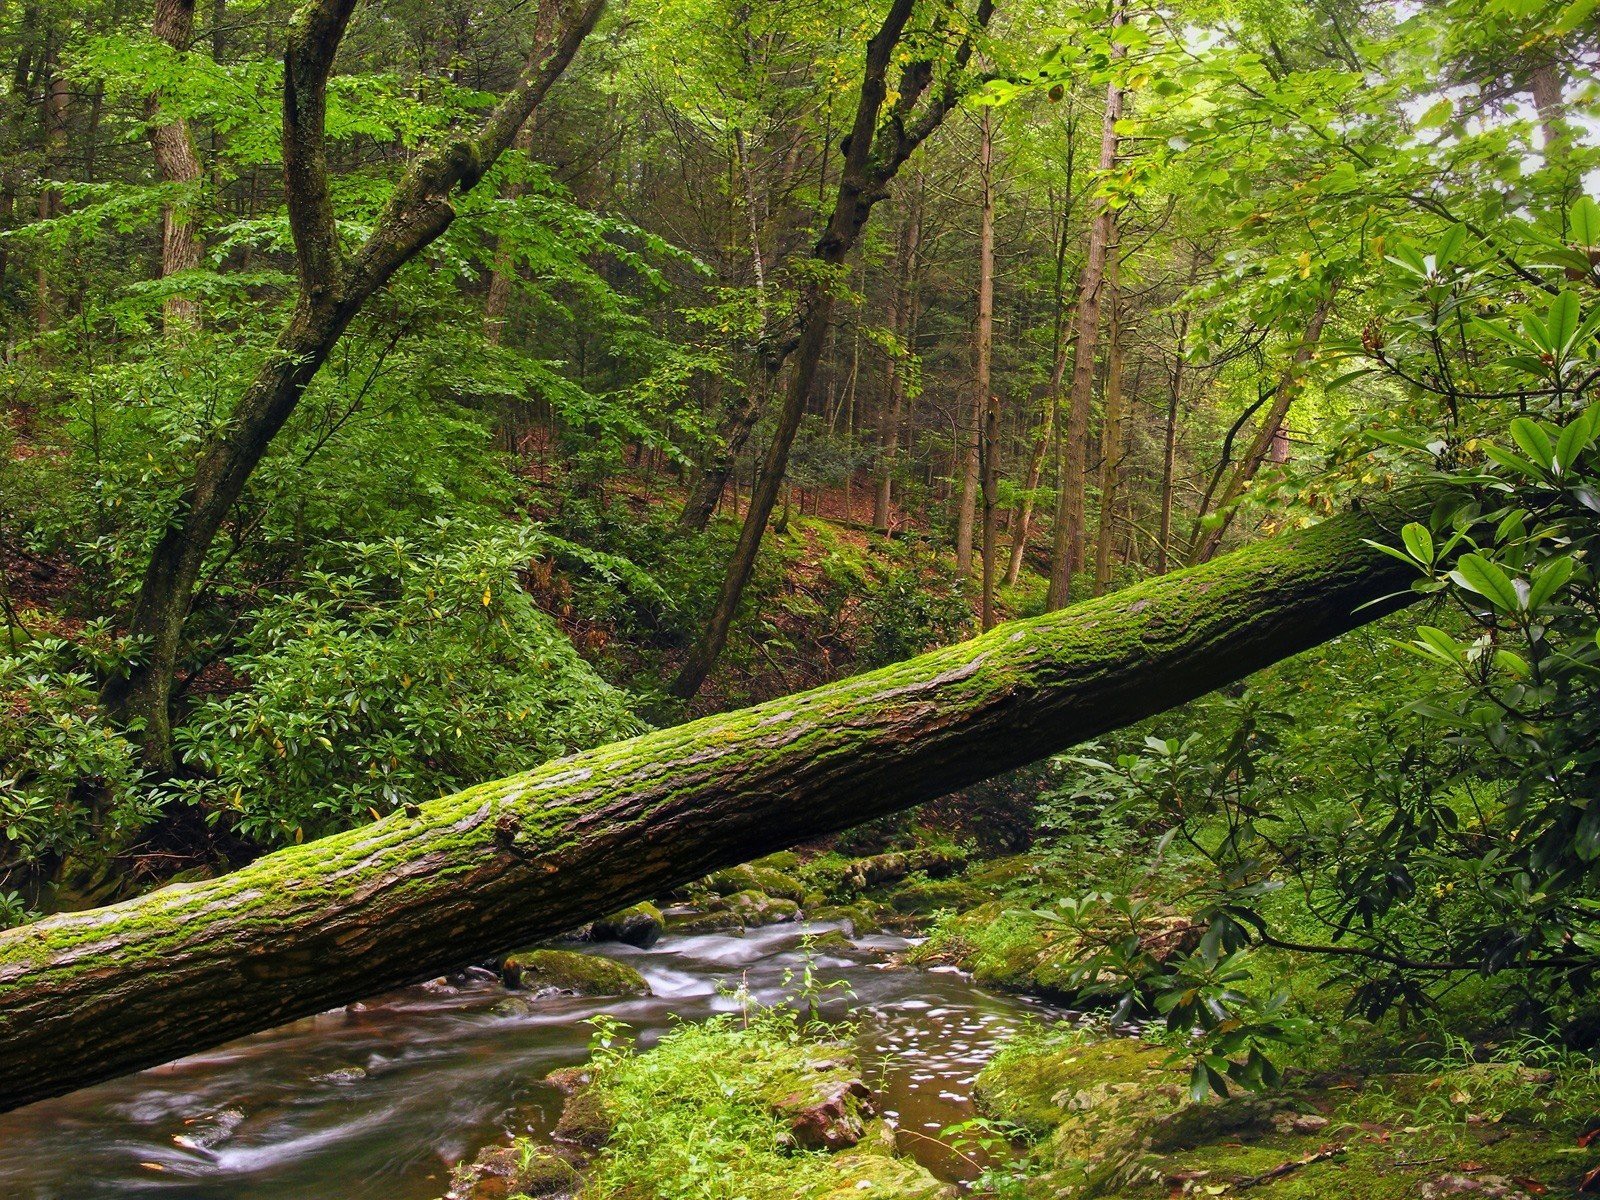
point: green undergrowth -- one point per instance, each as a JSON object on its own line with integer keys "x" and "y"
{"x": 708, "y": 1114}
{"x": 1107, "y": 1116}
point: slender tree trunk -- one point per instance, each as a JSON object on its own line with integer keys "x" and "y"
{"x": 1111, "y": 431}
{"x": 741, "y": 419}
{"x": 985, "y": 401}
{"x": 86, "y": 996}
{"x": 903, "y": 321}
{"x": 1288, "y": 387}
{"x": 53, "y": 116}
{"x": 177, "y": 164}
{"x": 1067, "y": 550}
{"x": 875, "y": 153}
{"x": 503, "y": 273}
{"x": 1050, "y": 424}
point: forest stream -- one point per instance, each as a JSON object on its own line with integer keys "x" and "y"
{"x": 378, "y": 1100}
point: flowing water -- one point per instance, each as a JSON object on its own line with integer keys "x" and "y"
{"x": 377, "y": 1100}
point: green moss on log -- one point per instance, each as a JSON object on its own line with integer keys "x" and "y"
{"x": 89, "y": 995}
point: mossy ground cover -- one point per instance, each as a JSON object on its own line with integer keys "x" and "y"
{"x": 1107, "y": 1116}
{"x": 709, "y": 1113}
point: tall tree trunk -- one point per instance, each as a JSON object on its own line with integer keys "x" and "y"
{"x": 903, "y": 320}
{"x": 177, "y": 164}
{"x": 1024, "y": 521}
{"x": 53, "y": 118}
{"x": 1050, "y": 424}
{"x": 86, "y": 996}
{"x": 985, "y": 401}
{"x": 742, "y": 414}
{"x": 1111, "y": 432}
{"x": 1067, "y": 550}
{"x": 874, "y": 154}
{"x": 1289, "y": 383}
{"x": 503, "y": 272}
{"x": 332, "y": 289}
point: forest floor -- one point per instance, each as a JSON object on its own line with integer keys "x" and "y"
{"x": 775, "y": 1107}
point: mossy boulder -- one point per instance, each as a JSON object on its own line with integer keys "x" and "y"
{"x": 864, "y": 1175}
{"x": 718, "y": 921}
{"x": 924, "y": 897}
{"x": 641, "y": 925}
{"x": 543, "y": 970}
{"x": 757, "y": 908}
{"x": 752, "y": 877}
{"x": 584, "y": 1121}
{"x": 862, "y": 918}
{"x": 1043, "y": 1085}
{"x": 520, "y": 1169}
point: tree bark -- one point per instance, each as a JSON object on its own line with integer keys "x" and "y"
{"x": 1111, "y": 434}
{"x": 985, "y": 401}
{"x": 903, "y": 320}
{"x": 177, "y": 164}
{"x": 874, "y": 154}
{"x": 1067, "y": 549}
{"x": 86, "y": 996}
{"x": 1282, "y": 398}
{"x": 333, "y": 288}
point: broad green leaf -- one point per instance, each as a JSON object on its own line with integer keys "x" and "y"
{"x": 1584, "y": 219}
{"x": 1577, "y": 437}
{"x": 1548, "y": 581}
{"x": 1485, "y": 577}
{"x": 1532, "y": 441}
{"x": 1418, "y": 542}
{"x": 1562, "y": 322}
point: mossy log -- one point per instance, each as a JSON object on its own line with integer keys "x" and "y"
{"x": 86, "y": 996}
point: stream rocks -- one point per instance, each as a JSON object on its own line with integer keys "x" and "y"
{"x": 829, "y": 1114}
{"x": 641, "y": 926}
{"x": 500, "y": 1172}
{"x": 540, "y": 971}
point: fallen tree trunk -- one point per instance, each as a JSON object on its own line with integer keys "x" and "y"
{"x": 90, "y": 995}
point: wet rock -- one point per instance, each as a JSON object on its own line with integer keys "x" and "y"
{"x": 211, "y": 1130}
{"x": 756, "y": 908}
{"x": 641, "y": 925}
{"x": 690, "y": 923}
{"x": 829, "y": 1115}
{"x": 500, "y": 1172}
{"x": 755, "y": 878}
{"x": 540, "y": 971}
{"x": 583, "y": 1122}
{"x": 1485, "y": 1187}
{"x": 861, "y": 918}
{"x": 834, "y": 941}
{"x": 342, "y": 1075}
{"x": 1299, "y": 1123}
{"x": 568, "y": 1080}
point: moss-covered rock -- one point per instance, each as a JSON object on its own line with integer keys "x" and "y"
{"x": 719, "y": 921}
{"x": 584, "y": 1122}
{"x": 520, "y": 1169}
{"x": 641, "y": 925}
{"x": 862, "y": 918}
{"x": 924, "y": 897}
{"x": 752, "y": 877}
{"x": 543, "y": 970}
{"x": 757, "y": 908}
{"x": 862, "y": 1174}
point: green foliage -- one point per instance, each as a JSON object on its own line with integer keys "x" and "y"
{"x": 414, "y": 668}
{"x": 72, "y": 782}
{"x": 916, "y": 605}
